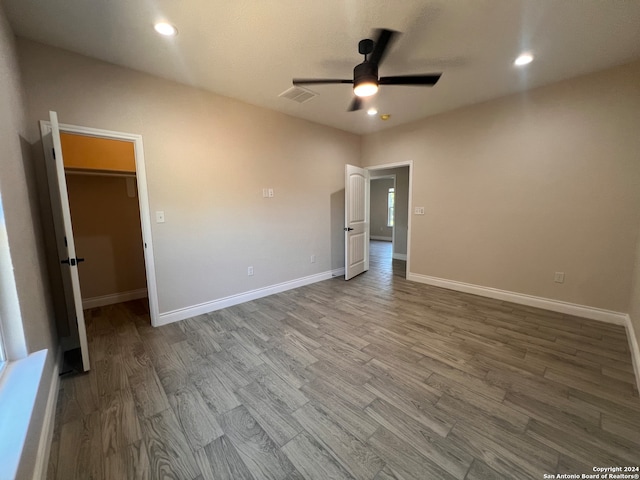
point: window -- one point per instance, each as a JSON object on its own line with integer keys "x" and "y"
{"x": 391, "y": 202}
{"x": 4, "y": 251}
{"x": 3, "y": 358}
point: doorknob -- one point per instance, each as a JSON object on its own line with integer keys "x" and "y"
{"x": 72, "y": 261}
{"x": 347, "y": 229}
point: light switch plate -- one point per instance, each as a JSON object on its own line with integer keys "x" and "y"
{"x": 159, "y": 217}
{"x": 418, "y": 210}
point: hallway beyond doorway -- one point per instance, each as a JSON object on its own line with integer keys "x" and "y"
{"x": 381, "y": 259}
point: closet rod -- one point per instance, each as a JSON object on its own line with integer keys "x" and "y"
{"x": 100, "y": 173}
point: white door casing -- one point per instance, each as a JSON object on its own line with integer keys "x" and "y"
{"x": 143, "y": 199}
{"x": 63, "y": 229}
{"x": 143, "y": 202}
{"x": 356, "y": 252}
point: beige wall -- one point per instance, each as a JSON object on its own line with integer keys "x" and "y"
{"x": 379, "y": 207}
{"x": 20, "y": 221}
{"x": 208, "y": 158}
{"x": 106, "y": 228}
{"x": 519, "y": 188}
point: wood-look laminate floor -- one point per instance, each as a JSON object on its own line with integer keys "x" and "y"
{"x": 375, "y": 378}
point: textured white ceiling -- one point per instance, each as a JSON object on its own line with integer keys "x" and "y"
{"x": 251, "y": 49}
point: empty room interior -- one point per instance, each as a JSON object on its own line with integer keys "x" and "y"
{"x": 319, "y": 240}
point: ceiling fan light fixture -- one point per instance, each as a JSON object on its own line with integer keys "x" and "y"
{"x": 365, "y": 79}
{"x": 524, "y": 59}
{"x": 165, "y": 29}
{"x": 365, "y": 89}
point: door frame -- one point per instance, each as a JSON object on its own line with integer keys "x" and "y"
{"x": 407, "y": 163}
{"x": 143, "y": 202}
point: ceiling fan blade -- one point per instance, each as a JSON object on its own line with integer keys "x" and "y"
{"x": 382, "y": 44}
{"x": 427, "y": 80}
{"x": 318, "y": 81}
{"x": 356, "y": 104}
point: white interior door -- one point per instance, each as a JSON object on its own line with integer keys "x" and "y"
{"x": 356, "y": 239}
{"x": 64, "y": 232}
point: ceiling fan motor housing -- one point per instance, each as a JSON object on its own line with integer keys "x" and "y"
{"x": 366, "y": 72}
{"x": 365, "y": 47}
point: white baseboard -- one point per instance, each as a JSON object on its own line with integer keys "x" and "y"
{"x": 635, "y": 349}
{"x": 46, "y": 435}
{"x": 103, "y": 300}
{"x": 384, "y": 239}
{"x": 584, "y": 311}
{"x": 400, "y": 256}
{"x": 206, "y": 307}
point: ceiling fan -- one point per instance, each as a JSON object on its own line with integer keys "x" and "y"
{"x": 365, "y": 75}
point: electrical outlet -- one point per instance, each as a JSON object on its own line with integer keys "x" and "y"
{"x": 558, "y": 277}
{"x": 250, "y": 271}
{"x": 265, "y": 192}
{"x": 313, "y": 259}
{"x": 271, "y": 195}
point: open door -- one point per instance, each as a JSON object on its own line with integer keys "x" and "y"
{"x": 356, "y": 248}
{"x": 64, "y": 233}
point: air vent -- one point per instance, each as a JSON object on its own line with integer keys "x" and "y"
{"x": 298, "y": 94}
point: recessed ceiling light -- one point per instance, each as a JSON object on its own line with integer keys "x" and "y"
{"x": 524, "y": 59}
{"x": 372, "y": 111}
{"x": 166, "y": 29}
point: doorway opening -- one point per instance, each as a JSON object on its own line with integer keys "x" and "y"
{"x": 390, "y": 218}
{"x": 106, "y": 219}
{"x": 119, "y": 189}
